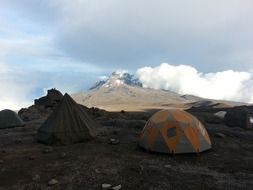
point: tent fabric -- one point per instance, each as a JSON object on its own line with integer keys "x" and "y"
{"x": 174, "y": 131}
{"x": 9, "y": 118}
{"x": 68, "y": 124}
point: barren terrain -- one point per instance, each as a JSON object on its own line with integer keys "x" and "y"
{"x": 27, "y": 164}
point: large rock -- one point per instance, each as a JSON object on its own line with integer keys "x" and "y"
{"x": 34, "y": 112}
{"x": 239, "y": 117}
{"x": 52, "y": 99}
{"x": 9, "y": 118}
{"x": 42, "y": 107}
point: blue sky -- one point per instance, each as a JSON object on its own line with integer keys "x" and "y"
{"x": 69, "y": 44}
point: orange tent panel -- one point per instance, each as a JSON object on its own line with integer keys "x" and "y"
{"x": 177, "y": 130}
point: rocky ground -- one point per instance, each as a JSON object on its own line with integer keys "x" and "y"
{"x": 26, "y": 164}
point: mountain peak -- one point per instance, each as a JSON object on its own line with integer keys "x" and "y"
{"x": 116, "y": 79}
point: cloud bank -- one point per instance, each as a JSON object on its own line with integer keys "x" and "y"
{"x": 15, "y": 88}
{"x": 185, "y": 79}
{"x": 19, "y": 87}
{"x": 113, "y": 33}
{"x": 68, "y": 44}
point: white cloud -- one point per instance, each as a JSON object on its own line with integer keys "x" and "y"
{"x": 183, "y": 79}
{"x": 72, "y": 40}
{"x": 19, "y": 86}
{"x": 27, "y": 47}
{"x": 112, "y": 32}
{"x": 15, "y": 88}
{"x": 3, "y": 68}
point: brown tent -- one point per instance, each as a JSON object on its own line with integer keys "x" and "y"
{"x": 69, "y": 123}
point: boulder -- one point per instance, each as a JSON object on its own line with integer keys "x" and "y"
{"x": 51, "y": 100}
{"x": 238, "y": 117}
{"x": 34, "y": 112}
{"x": 9, "y": 118}
{"x": 42, "y": 107}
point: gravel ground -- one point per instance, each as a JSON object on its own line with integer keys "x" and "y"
{"x": 26, "y": 164}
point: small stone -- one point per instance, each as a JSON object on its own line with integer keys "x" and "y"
{"x": 114, "y": 141}
{"x": 1, "y": 161}
{"x": 47, "y": 150}
{"x": 154, "y": 167}
{"x": 52, "y": 182}
{"x": 17, "y": 141}
{"x": 167, "y": 166}
{"x": 31, "y": 158}
{"x": 115, "y": 132}
{"x": 118, "y": 187}
{"x": 98, "y": 171}
{"x": 63, "y": 155}
{"x": 4, "y": 151}
{"x": 106, "y": 186}
{"x": 117, "y": 150}
{"x": 36, "y": 177}
{"x": 113, "y": 171}
{"x": 220, "y": 135}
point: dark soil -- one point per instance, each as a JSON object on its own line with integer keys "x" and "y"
{"x": 227, "y": 166}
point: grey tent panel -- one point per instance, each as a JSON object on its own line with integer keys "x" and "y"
{"x": 184, "y": 145}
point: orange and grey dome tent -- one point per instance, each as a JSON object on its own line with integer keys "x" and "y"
{"x": 69, "y": 123}
{"x": 174, "y": 131}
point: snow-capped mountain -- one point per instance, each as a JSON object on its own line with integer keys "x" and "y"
{"x": 122, "y": 90}
{"x": 117, "y": 79}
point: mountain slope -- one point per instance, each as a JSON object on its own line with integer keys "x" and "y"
{"x": 123, "y": 90}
